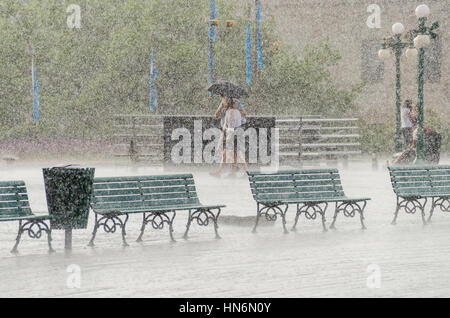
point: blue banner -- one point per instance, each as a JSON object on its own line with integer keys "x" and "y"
{"x": 210, "y": 57}
{"x": 248, "y": 55}
{"x": 35, "y": 96}
{"x": 213, "y": 17}
{"x": 153, "y": 77}
{"x": 258, "y": 36}
{"x": 155, "y": 71}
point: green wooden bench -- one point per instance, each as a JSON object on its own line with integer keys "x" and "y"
{"x": 310, "y": 190}
{"x": 14, "y": 206}
{"x": 157, "y": 198}
{"x": 414, "y": 185}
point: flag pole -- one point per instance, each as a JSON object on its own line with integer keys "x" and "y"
{"x": 151, "y": 80}
{"x": 248, "y": 47}
{"x": 211, "y": 77}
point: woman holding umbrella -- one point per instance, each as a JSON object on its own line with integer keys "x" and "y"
{"x": 232, "y": 114}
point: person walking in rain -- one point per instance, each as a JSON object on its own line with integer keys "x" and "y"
{"x": 232, "y": 114}
{"x": 407, "y": 126}
{"x": 432, "y": 148}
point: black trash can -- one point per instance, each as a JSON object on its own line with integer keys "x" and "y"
{"x": 68, "y": 190}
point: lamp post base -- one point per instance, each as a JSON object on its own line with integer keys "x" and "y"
{"x": 68, "y": 240}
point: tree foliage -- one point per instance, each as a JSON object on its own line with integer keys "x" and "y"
{"x": 86, "y": 75}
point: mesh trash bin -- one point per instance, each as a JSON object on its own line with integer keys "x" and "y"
{"x": 68, "y": 190}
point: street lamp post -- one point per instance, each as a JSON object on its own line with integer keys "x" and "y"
{"x": 397, "y": 45}
{"x": 421, "y": 41}
{"x": 414, "y": 39}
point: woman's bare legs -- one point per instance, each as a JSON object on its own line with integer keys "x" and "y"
{"x": 221, "y": 165}
{"x": 240, "y": 158}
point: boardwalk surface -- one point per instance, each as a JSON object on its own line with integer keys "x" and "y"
{"x": 412, "y": 260}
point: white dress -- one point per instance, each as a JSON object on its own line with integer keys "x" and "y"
{"x": 406, "y": 122}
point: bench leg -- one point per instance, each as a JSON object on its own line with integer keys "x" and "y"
{"x": 49, "y": 240}
{"x": 293, "y": 229}
{"x": 258, "y": 214}
{"x": 422, "y": 212}
{"x": 203, "y": 217}
{"x": 271, "y": 212}
{"x": 311, "y": 210}
{"x": 216, "y": 225}
{"x": 124, "y": 233}
{"x": 144, "y": 223}
{"x": 433, "y": 205}
{"x": 411, "y": 205}
{"x": 94, "y": 232}
{"x": 283, "y": 219}
{"x": 323, "y": 218}
{"x": 349, "y": 209}
{"x": 110, "y": 223}
{"x": 442, "y": 202}
{"x": 336, "y": 211}
{"x": 361, "y": 215}
{"x": 171, "y": 232}
{"x": 394, "y": 221}
{"x": 19, "y": 235}
{"x": 34, "y": 228}
{"x": 188, "y": 225}
{"x": 157, "y": 220}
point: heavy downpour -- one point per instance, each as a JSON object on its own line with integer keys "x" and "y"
{"x": 224, "y": 148}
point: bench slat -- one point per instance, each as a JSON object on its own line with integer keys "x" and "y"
{"x": 276, "y": 197}
{"x": 425, "y": 183}
{"x": 143, "y": 178}
{"x": 133, "y": 190}
{"x": 6, "y": 184}
{"x": 297, "y": 177}
{"x": 139, "y": 197}
{"x": 280, "y": 197}
{"x": 441, "y": 190}
{"x": 136, "y": 190}
{"x": 297, "y": 189}
{"x": 15, "y": 212}
{"x": 13, "y": 190}
{"x": 14, "y": 201}
{"x": 321, "y": 199}
{"x": 321, "y": 195}
{"x": 293, "y": 184}
{"x": 139, "y": 204}
{"x": 11, "y": 204}
{"x": 169, "y": 208}
{"x": 440, "y": 172}
{"x": 13, "y": 197}
{"x": 420, "y": 178}
{"x": 437, "y": 167}
{"x": 135, "y": 184}
{"x": 294, "y": 172}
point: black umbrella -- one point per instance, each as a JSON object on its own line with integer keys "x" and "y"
{"x": 228, "y": 89}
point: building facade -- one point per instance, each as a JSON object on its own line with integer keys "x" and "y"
{"x": 356, "y": 28}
